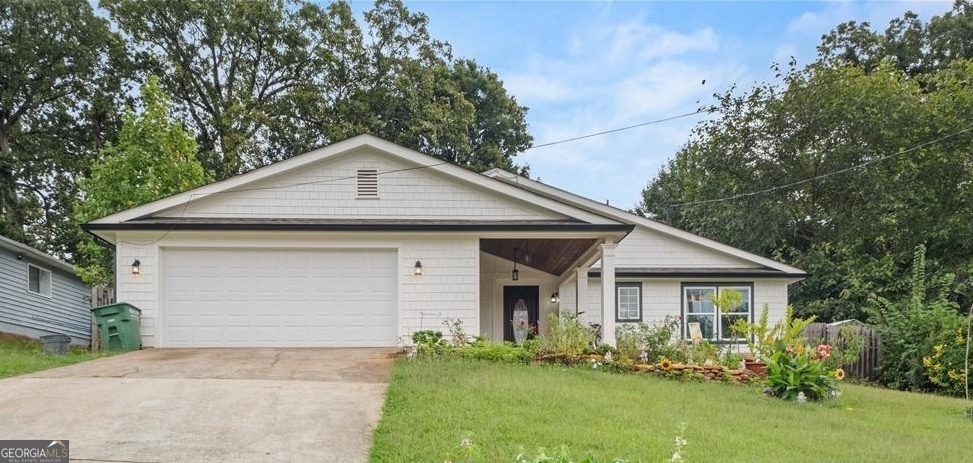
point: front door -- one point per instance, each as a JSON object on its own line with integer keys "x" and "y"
{"x": 523, "y": 296}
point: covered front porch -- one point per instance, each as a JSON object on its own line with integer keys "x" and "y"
{"x": 530, "y": 273}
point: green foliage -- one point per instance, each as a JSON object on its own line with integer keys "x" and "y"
{"x": 910, "y": 327}
{"x": 259, "y": 82}
{"x": 495, "y": 352}
{"x": 154, "y": 157}
{"x": 654, "y": 339}
{"x": 946, "y": 365}
{"x": 761, "y": 337}
{"x": 870, "y": 97}
{"x": 795, "y": 371}
{"x": 430, "y": 343}
{"x": 59, "y": 90}
{"x": 566, "y": 335}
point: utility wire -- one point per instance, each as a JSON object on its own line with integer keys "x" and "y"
{"x": 605, "y": 132}
{"x": 825, "y": 175}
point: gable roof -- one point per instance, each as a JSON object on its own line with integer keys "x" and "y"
{"x": 625, "y": 216}
{"x": 22, "y": 248}
{"x": 420, "y": 161}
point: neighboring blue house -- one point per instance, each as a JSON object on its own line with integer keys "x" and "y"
{"x": 41, "y": 295}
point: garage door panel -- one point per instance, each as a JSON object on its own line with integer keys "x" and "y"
{"x": 237, "y": 297}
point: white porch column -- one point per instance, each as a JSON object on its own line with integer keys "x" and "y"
{"x": 608, "y": 293}
{"x": 581, "y": 289}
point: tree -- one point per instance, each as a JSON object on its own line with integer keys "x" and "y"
{"x": 753, "y": 178}
{"x": 60, "y": 73}
{"x": 258, "y": 82}
{"x": 499, "y": 130}
{"x": 907, "y": 43}
{"x": 154, "y": 157}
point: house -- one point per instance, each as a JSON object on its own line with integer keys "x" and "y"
{"x": 364, "y": 242}
{"x": 41, "y": 295}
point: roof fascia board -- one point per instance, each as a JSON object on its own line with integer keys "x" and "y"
{"x": 419, "y": 159}
{"x": 36, "y": 254}
{"x": 580, "y": 201}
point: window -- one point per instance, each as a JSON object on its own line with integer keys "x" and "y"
{"x": 698, "y": 307}
{"x": 628, "y": 302}
{"x": 38, "y": 280}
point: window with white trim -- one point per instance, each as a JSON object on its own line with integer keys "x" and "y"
{"x": 628, "y": 302}
{"x": 715, "y": 325}
{"x": 38, "y": 280}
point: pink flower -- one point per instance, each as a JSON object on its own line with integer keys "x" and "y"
{"x": 824, "y": 350}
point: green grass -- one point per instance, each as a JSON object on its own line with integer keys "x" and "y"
{"x": 21, "y": 355}
{"x": 432, "y": 405}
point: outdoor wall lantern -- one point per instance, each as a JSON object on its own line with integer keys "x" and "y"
{"x": 515, "y": 275}
{"x": 135, "y": 267}
{"x": 555, "y": 298}
{"x": 417, "y": 270}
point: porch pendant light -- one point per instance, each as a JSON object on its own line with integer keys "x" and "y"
{"x": 515, "y": 275}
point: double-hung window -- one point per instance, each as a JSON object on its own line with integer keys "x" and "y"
{"x": 38, "y": 280}
{"x": 628, "y": 302}
{"x": 714, "y": 323}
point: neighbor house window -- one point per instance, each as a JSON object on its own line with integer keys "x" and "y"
{"x": 628, "y": 302}
{"x": 715, "y": 325}
{"x": 38, "y": 280}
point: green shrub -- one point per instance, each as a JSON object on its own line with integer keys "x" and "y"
{"x": 791, "y": 372}
{"x": 495, "y": 352}
{"x": 655, "y": 339}
{"x": 911, "y": 328}
{"x": 429, "y": 343}
{"x": 946, "y": 365}
{"x": 567, "y": 335}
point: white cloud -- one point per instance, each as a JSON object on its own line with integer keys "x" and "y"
{"x": 612, "y": 74}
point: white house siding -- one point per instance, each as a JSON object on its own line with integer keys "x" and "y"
{"x": 447, "y": 288}
{"x": 644, "y": 248}
{"x": 495, "y": 273}
{"x": 328, "y": 189}
{"x": 662, "y": 297}
{"x": 27, "y": 314}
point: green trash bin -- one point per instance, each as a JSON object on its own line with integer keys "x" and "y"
{"x": 118, "y": 326}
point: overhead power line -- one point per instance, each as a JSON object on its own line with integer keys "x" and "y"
{"x": 825, "y": 175}
{"x": 629, "y": 127}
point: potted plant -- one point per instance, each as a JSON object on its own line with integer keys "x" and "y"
{"x": 759, "y": 338}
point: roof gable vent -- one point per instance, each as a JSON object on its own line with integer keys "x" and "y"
{"x": 367, "y": 183}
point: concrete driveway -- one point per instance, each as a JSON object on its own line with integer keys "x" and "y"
{"x": 172, "y": 405}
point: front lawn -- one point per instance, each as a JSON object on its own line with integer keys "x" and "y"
{"x": 432, "y": 405}
{"x": 21, "y": 355}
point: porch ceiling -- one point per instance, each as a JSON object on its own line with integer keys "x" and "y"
{"x": 553, "y": 256}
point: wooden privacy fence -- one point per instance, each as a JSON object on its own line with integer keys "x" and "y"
{"x": 100, "y": 295}
{"x": 867, "y": 364}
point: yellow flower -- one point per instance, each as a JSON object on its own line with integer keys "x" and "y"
{"x": 665, "y": 364}
{"x": 927, "y": 362}
{"x": 840, "y": 374}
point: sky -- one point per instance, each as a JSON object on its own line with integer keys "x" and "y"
{"x": 586, "y": 67}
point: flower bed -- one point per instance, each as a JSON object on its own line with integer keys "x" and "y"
{"x": 664, "y": 368}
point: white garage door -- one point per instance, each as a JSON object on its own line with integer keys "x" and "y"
{"x": 273, "y": 297}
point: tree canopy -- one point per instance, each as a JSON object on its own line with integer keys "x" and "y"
{"x": 258, "y": 82}
{"x": 843, "y": 168}
{"x": 60, "y": 76}
{"x": 252, "y": 82}
{"x": 153, "y": 157}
